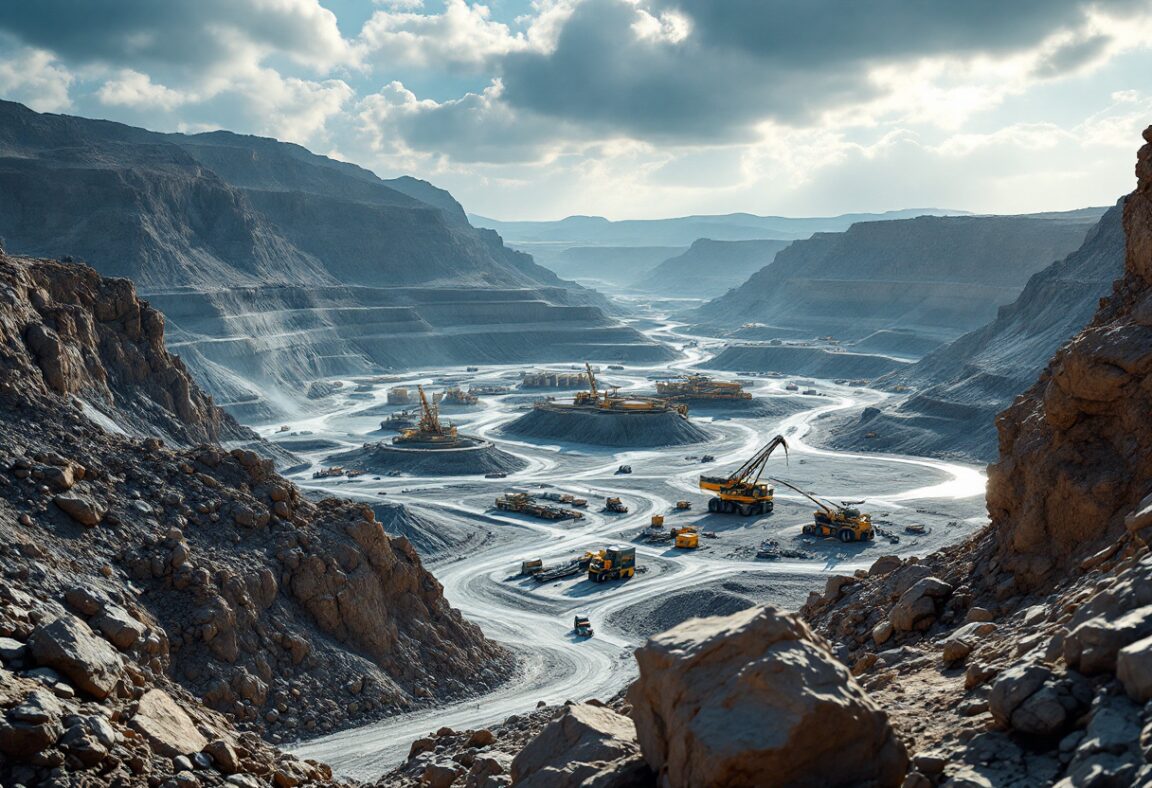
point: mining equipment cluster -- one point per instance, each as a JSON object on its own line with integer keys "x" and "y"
{"x": 610, "y": 401}
{"x": 523, "y": 503}
{"x": 701, "y": 387}
{"x": 429, "y": 431}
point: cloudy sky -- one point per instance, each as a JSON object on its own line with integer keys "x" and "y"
{"x": 537, "y": 109}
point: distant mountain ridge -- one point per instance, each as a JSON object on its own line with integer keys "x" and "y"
{"x": 683, "y": 230}
{"x": 962, "y": 386}
{"x": 276, "y": 266}
{"x": 936, "y": 276}
{"x": 709, "y": 268}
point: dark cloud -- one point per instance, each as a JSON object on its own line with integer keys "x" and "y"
{"x": 752, "y": 60}
{"x": 142, "y": 34}
{"x": 1072, "y": 56}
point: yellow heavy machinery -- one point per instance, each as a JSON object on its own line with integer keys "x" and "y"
{"x": 429, "y": 429}
{"x": 701, "y": 387}
{"x": 683, "y": 506}
{"x": 594, "y": 397}
{"x": 687, "y": 537}
{"x": 842, "y": 521}
{"x": 742, "y": 491}
{"x": 612, "y": 563}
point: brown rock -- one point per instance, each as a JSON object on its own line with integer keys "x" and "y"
{"x": 166, "y": 726}
{"x": 564, "y": 753}
{"x": 82, "y": 508}
{"x": 68, "y": 646}
{"x": 725, "y": 701}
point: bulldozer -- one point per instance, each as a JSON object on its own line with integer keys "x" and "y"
{"x": 615, "y": 506}
{"x": 843, "y": 521}
{"x": 612, "y": 563}
{"x": 742, "y": 491}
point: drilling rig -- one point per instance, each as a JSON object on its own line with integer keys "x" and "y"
{"x": 742, "y": 491}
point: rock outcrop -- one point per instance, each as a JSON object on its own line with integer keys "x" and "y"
{"x": 757, "y": 696}
{"x": 1076, "y": 448}
{"x": 182, "y": 602}
{"x": 709, "y": 268}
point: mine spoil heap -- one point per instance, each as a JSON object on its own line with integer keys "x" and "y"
{"x": 431, "y": 448}
{"x": 170, "y": 606}
{"x": 604, "y": 418}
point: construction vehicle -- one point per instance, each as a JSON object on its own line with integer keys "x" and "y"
{"x": 399, "y": 420}
{"x": 624, "y": 469}
{"x": 683, "y": 506}
{"x": 612, "y": 563}
{"x": 454, "y": 396}
{"x": 531, "y": 566}
{"x": 708, "y": 458}
{"x": 579, "y": 501}
{"x": 582, "y": 627}
{"x": 615, "y": 506}
{"x": 429, "y": 429}
{"x": 742, "y": 491}
{"x": 657, "y": 521}
{"x": 523, "y": 503}
{"x": 687, "y": 537}
{"x": 701, "y": 387}
{"x": 916, "y": 529}
{"x": 842, "y": 521}
{"x": 329, "y": 473}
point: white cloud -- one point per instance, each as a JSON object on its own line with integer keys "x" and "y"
{"x": 464, "y": 35}
{"x": 133, "y": 89}
{"x": 36, "y": 78}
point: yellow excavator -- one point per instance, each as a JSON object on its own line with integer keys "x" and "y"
{"x": 843, "y": 521}
{"x": 742, "y": 491}
{"x": 590, "y": 397}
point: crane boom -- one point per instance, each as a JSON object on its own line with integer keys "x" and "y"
{"x": 809, "y": 496}
{"x": 430, "y": 419}
{"x": 758, "y": 461}
{"x": 591, "y": 381}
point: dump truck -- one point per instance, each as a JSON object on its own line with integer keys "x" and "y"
{"x": 843, "y": 521}
{"x": 615, "y": 506}
{"x": 742, "y": 491}
{"x": 687, "y": 538}
{"x": 612, "y": 563}
{"x": 683, "y": 506}
{"x": 582, "y": 627}
{"x": 531, "y": 566}
{"x": 523, "y": 503}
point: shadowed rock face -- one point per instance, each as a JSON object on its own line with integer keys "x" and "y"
{"x": 276, "y": 266}
{"x": 1076, "y": 448}
{"x": 131, "y": 568}
{"x": 709, "y": 268}
{"x": 962, "y": 386}
{"x": 937, "y": 276}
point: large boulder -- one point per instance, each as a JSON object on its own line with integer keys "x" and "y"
{"x": 576, "y": 747}
{"x": 918, "y": 606}
{"x": 166, "y": 726}
{"x": 757, "y": 696}
{"x": 69, "y": 646}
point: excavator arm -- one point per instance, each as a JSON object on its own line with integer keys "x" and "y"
{"x": 430, "y": 419}
{"x": 591, "y": 381}
{"x": 827, "y": 509}
{"x": 750, "y": 471}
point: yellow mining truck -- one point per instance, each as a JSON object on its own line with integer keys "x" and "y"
{"x": 687, "y": 538}
{"x": 843, "y": 521}
{"x": 612, "y": 563}
{"x": 742, "y": 491}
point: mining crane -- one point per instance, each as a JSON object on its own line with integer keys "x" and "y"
{"x": 843, "y": 521}
{"x": 742, "y": 491}
{"x": 429, "y": 429}
{"x": 592, "y": 395}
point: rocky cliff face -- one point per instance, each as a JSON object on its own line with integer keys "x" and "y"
{"x": 1076, "y": 448}
{"x": 66, "y": 331}
{"x": 131, "y": 568}
{"x": 276, "y": 266}
{"x": 960, "y": 387}
{"x": 936, "y": 276}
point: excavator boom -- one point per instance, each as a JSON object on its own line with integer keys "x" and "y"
{"x": 758, "y": 461}
{"x": 827, "y": 509}
{"x": 591, "y": 381}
